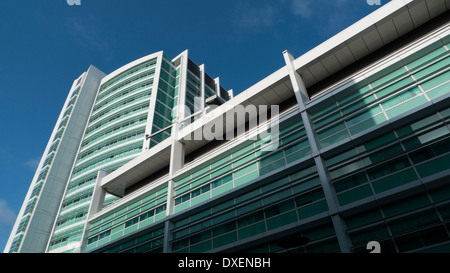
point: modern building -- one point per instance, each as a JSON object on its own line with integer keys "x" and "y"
{"x": 107, "y": 121}
{"x": 351, "y": 146}
{"x": 39, "y": 210}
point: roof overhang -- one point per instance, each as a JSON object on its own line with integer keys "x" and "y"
{"x": 375, "y": 31}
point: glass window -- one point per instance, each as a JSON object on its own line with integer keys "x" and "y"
{"x": 279, "y": 208}
{"x": 355, "y": 194}
{"x": 359, "y": 104}
{"x": 373, "y": 233}
{"x": 277, "y": 196}
{"x": 346, "y": 169}
{"x": 222, "y": 181}
{"x": 433, "y": 68}
{"x": 182, "y": 199}
{"x": 424, "y": 59}
{"x": 250, "y": 219}
{"x": 249, "y": 207}
{"x": 252, "y": 230}
{"x": 225, "y": 239}
{"x": 146, "y": 215}
{"x": 309, "y": 197}
{"x": 350, "y": 182}
{"x": 434, "y": 166}
{"x": 200, "y": 191}
{"x": 406, "y": 205}
{"x": 431, "y": 151}
{"x": 390, "y": 77}
{"x": 394, "y": 180}
{"x": 394, "y": 87}
{"x": 225, "y": 228}
{"x": 281, "y": 220}
{"x": 388, "y": 167}
{"x": 352, "y": 97}
{"x": 223, "y": 217}
{"x": 413, "y": 222}
{"x": 202, "y": 236}
{"x": 131, "y": 222}
{"x": 160, "y": 209}
{"x": 331, "y": 130}
{"x": 334, "y": 139}
{"x": 363, "y": 218}
{"x": 312, "y": 209}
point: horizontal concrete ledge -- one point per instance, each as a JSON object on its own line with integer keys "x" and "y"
{"x": 136, "y": 170}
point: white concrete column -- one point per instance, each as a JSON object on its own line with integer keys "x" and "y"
{"x": 300, "y": 91}
{"x": 230, "y": 93}
{"x": 217, "y": 85}
{"x": 177, "y": 154}
{"x": 182, "y": 87}
{"x": 96, "y": 205}
{"x": 176, "y": 163}
{"x": 202, "y": 84}
{"x": 98, "y": 195}
{"x": 302, "y": 97}
{"x": 152, "y": 101}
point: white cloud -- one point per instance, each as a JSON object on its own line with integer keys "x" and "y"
{"x": 313, "y": 8}
{"x": 262, "y": 16}
{"x": 7, "y": 216}
{"x": 327, "y": 17}
{"x": 32, "y": 163}
{"x": 256, "y": 17}
{"x": 302, "y": 8}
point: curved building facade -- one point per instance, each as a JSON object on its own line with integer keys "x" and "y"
{"x": 40, "y": 207}
{"x": 358, "y": 150}
{"x": 113, "y": 136}
{"x": 124, "y": 114}
{"x": 133, "y": 111}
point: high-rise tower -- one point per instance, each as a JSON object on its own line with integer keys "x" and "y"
{"x": 124, "y": 114}
{"x": 39, "y": 210}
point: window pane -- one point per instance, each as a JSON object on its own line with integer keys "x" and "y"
{"x": 279, "y": 208}
{"x": 252, "y": 230}
{"x": 224, "y": 228}
{"x": 354, "y": 194}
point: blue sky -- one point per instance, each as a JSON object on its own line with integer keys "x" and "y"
{"x": 46, "y": 44}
